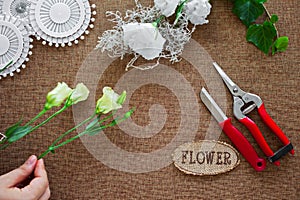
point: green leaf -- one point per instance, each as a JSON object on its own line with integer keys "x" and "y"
{"x": 92, "y": 124}
{"x": 248, "y": 10}
{"x": 280, "y": 45}
{"x": 95, "y": 130}
{"x": 274, "y": 19}
{"x": 262, "y": 35}
{"x": 19, "y": 133}
{"x": 12, "y": 129}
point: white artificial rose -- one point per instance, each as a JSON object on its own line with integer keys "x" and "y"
{"x": 144, "y": 39}
{"x": 80, "y": 93}
{"x": 109, "y": 101}
{"x": 167, "y": 7}
{"x": 197, "y": 11}
{"x": 58, "y": 95}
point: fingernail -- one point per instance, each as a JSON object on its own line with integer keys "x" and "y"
{"x": 31, "y": 160}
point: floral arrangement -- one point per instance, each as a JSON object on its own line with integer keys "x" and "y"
{"x": 147, "y": 32}
{"x": 161, "y": 31}
{"x": 62, "y": 94}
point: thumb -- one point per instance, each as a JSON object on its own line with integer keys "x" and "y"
{"x": 18, "y": 175}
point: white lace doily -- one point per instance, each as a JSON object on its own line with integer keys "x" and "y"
{"x": 61, "y": 22}
{"x": 15, "y": 45}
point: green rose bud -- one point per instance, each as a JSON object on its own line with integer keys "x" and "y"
{"x": 58, "y": 95}
{"x": 122, "y": 98}
{"x": 109, "y": 101}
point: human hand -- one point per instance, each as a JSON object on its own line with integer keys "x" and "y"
{"x": 38, "y": 188}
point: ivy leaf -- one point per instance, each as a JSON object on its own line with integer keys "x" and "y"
{"x": 280, "y": 45}
{"x": 248, "y": 10}
{"x": 19, "y": 133}
{"x": 262, "y": 35}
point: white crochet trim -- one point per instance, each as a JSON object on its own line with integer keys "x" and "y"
{"x": 15, "y": 45}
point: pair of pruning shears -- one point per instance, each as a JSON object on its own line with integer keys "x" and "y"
{"x": 237, "y": 138}
{"x": 244, "y": 103}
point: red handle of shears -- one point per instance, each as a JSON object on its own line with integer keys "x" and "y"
{"x": 243, "y": 145}
{"x": 273, "y": 126}
{"x": 252, "y": 127}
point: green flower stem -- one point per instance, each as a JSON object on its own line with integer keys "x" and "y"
{"x": 72, "y": 129}
{"x": 47, "y": 120}
{"x": 36, "y": 117}
{"x": 52, "y": 148}
{"x": 155, "y": 24}
{"x": 179, "y": 11}
{"x": 106, "y": 118}
{"x": 44, "y": 154}
{"x": 269, "y": 16}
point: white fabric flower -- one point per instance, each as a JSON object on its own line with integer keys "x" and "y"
{"x": 144, "y": 39}
{"x": 167, "y": 7}
{"x": 80, "y": 93}
{"x": 109, "y": 101}
{"x": 197, "y": 11}
{"x": 58, "y": 95}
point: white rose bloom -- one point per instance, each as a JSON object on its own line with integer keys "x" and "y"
{"x": 80, "y": 93}
{"x": 167, "y": 7}
{"x": 144, "y": 39}
{"x": 58, "y": 95}
{"x": 197, "y": 11}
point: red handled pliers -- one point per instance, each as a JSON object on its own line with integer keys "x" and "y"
{"x": 243, "y": 104}
{"x": 237, "y": 138}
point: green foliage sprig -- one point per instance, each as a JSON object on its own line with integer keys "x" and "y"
{"x": 265, "y": 35}
{"x": 63, "y": 95}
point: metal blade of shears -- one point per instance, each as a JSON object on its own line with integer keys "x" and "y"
{"x": 212, "y": 106}
{"x": 233, "y": 88}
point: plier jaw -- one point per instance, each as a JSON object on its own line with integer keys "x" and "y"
{"x": 243, "y": 104}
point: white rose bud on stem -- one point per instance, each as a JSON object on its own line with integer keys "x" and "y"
{"x": 109, "y": 101}
{"x": 58, "y": 95}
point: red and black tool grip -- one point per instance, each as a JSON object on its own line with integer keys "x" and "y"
{"x": 274, "y": 127}
{"x": 243, "y": 145}
{"x": 256, "y": 133}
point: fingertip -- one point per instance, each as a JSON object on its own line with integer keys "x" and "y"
{"x": 31, "y": 161}
{"x": 40, "y": 168}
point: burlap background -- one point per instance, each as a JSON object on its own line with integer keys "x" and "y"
{"x": 75, "y": 174}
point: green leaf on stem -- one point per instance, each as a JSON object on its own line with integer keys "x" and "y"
{"x": 12, "y": 129}
{"x": 280, "y": 45}
{"x": 19, "y": 132}
{"x": 95, "y": 130}
{"x": 92, "y": 124}
{"x": 262, "y": 35}
{"x": 248, "y": 10}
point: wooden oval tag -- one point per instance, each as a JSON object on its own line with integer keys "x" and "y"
{"x": 206, "y": 158}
